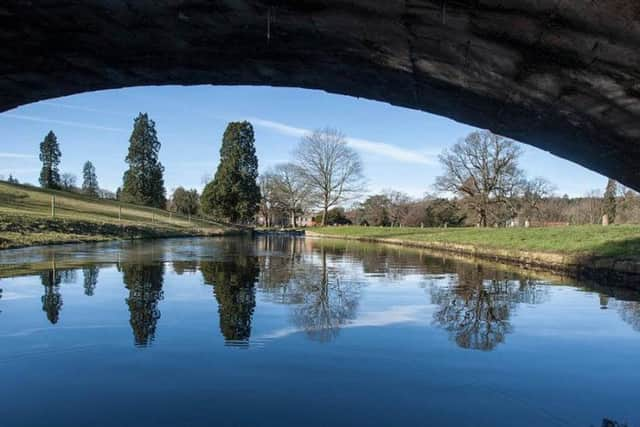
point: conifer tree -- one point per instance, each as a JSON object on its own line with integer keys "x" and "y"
{"x": 50, "y": 158}
{"x": 143, "y": 182}
{"x": 609, "y": 206}
{"x": 89, "y": 179}
{"x": 234, "y": 194}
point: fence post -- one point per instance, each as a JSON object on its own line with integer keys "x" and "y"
{"x": 53, "y": 206}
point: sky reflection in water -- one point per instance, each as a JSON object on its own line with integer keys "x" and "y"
{"x": 279, "y": 331}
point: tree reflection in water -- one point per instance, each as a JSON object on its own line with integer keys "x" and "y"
{"x": 324, "y": 299}
{"x": 321, "y": 282}
{"x": 476, "y": 309}
{"x": 144, "y": 282}
{"x": 90, "y": 275}
{"x": 52, "y": 299}
{"x": 233, "y": 284}
{"x": 279, "y": 260}
{"x": 630, "y": 313}
{"x": 181, "y": 267}
{"x": 626, "y": 301}
{"x": 67, "y": 276}
{"x": 298, "y": 273}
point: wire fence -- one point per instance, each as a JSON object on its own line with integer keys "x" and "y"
{"x": 125, "y": 213}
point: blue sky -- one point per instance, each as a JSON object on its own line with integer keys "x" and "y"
{"x": 399, "y": 146}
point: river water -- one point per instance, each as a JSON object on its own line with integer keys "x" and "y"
{"x": 279, "y": 331}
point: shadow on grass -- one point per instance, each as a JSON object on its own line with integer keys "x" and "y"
{"x": 615, "y": 263}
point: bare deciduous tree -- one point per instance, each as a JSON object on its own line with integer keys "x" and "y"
{"x": 330, "y": 168}
{"x": 483, "y": 169}
{"x": 534, "y": 193}
{"x": 68, "y": 181}
{"x": 267, "y": 197}
{"x": 586, "y": 210}
{"x": 290, "y": 189}
{"x": 399, "y": 204}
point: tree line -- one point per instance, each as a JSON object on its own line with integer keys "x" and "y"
{"x": 481, "y": 184}
{"x": 50, "y": 176}
{"x": 325, "y": 173}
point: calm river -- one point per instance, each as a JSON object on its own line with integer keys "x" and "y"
{"x": 300, "y": 332}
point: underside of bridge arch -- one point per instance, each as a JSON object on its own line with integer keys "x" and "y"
{"x": 559, "y": 75}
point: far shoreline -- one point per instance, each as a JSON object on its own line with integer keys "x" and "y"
{"x": 618, "y": 271}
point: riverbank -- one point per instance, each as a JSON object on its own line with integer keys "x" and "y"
{"x": 27, "y": 218}
{"x": 594, "y": 252}
{"x": 18, "y": 232}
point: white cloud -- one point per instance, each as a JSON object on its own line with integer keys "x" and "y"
{"x": 392, "y": 316}
{"x": 391, "y": 151}
{"x": 371, "y": 147}
{"x": 281, "y": 128}
{"x": 61, "y": 122}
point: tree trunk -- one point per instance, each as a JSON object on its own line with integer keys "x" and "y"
{"x": 324, "y": 215}
{"x": 483, "y": 218}
{"x": 293, "y": 219}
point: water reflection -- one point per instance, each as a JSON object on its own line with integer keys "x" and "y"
{"x": 323, "y": 296}
{"x": 625, "y": 301}
{"x": 90, "y": 275}
{"x": 321, "y": 283}
{"x": 323, "y": 299}
{"x": 144, "y": 282}
{"x": 630, "y": 313}
{"x": 366, "y": 329}
{"x": 52, "y": 299}
{"x": 182, "y": 267}
{"x": 234, "y": 289}
{"x": 476, "y": 308}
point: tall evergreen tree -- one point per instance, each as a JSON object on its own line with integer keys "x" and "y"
{"x": 89, "y": 179}
{"x": 50, "y": 158}
{"x": 143, "y": 182}
{"x": 234, "y": 193}
{"x": 609, "y": 206}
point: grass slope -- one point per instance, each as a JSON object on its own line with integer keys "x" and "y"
{"x": 25, "y": 219}
{"x": 591, "y": 240}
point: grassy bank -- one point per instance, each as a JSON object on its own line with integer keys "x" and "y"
{"x": 616, "y": 241}
{"x": 575, "y": 248}
{"x": 26, "y": 219}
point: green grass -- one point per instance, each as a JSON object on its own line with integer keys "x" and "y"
{"x": 25, "y": 219}
{"x": 588, "y": 240}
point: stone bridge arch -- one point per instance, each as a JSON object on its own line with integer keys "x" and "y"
{"x": 562, "y": 75}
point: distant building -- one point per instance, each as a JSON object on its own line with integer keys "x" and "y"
{"x": 306, "y": 220}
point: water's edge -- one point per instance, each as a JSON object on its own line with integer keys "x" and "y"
{"x": 621, "y": 272}
{"x": 88, "y": 239}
